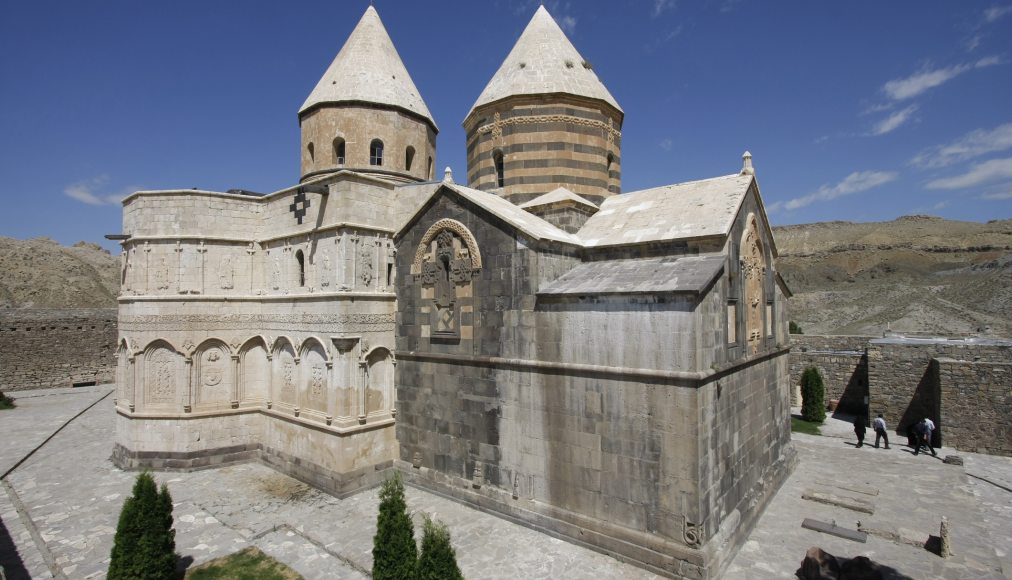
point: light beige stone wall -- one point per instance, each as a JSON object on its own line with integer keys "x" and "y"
{"x": 547, "y": 141}
{"x": 358, "y": 126}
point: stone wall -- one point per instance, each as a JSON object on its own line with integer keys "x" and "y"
{"x": 41, "y": 349}
{"x": 976, "y": 404}
{"x": 842, "y": 362}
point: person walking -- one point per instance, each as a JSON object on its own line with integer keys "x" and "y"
{"x": 931, "y": 434}
{"x": 879, "y": 425}
{"x": 859, "y": 429}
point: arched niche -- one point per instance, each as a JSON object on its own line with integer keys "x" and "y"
{"x": 448, "y": 260}
{"x": 752, "y": 260}
{"x": 213, "y": 380}
{"x": 285, "y": 373}
{"x": 253, "y": 371}
{"x": 379, "y": 390}
{"x": 163, "y": 377}
{"x": 124, "y": 375}
{"x": 315, "y": 380}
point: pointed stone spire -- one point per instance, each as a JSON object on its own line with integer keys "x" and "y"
{"x": 368, "y": 69}
{"x": 543, "y": 61}
{"x": 746, "y": 164}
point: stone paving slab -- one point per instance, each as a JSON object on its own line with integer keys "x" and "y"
{"x": 73, "y": 495}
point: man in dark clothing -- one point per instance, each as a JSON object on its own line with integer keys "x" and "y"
{"x": 859, "y": 429}
{"x": 923, "y": 435}
{"x": 879, "y": 425}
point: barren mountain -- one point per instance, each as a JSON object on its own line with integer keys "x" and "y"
{"x": 914, "y": 274}
{"x": 40, "y": 273}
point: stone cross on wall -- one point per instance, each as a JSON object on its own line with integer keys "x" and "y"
{"x": 299, "y": 206}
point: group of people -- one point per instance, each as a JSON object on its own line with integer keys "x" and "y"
{"x": 920, "y": 433}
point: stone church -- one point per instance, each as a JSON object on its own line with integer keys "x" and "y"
{"x": 607, "y": 367}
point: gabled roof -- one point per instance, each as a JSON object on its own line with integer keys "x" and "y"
{"x": 369, "y": 69}
{"x": 543, "y": 61}
{"x": 558, "y": 195}
{"x": 668, "y": 274}
{"x": 530, "y": 225}
{"x": 683, "y": 210}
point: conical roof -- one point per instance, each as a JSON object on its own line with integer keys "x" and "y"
{"x": 369, "y": 69}
{"x": 544, "y": 61}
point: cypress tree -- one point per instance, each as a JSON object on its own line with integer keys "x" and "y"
{"x": 438, "y": 560}
{"x": 394, "y": 553}
{"x": 144, "y": 546}
{"x": 813, "y": 393}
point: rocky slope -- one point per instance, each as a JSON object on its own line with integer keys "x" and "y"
{"x": 40, "y": 273}
{"x": 914, "y": 274}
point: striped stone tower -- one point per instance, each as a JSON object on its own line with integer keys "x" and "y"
{"x": 544, "y": 121}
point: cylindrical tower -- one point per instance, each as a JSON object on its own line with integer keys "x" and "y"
{"x": 545, "y": 121}
{"x": 366, "y": 114}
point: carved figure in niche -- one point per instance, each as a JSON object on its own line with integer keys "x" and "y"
{"x": 365, "y": 262}
{"x": 288, "y": 377}
{"x": 448, "y": 265}
{"x": 162, "y": 376}
{"x": 225, "y": 274}
{"x": 316, "y": 381}
{"x": 213, "y": 367}
{"x": 162, "y": 274}
{"x": 325, "y": 275}
{"x": 276, "y": 273}
{"x": 753, "y": 271}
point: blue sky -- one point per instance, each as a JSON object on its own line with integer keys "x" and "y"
{"x": 861, "y": 110}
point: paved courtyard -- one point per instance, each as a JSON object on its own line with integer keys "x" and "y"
{"x": 59, "y": 507}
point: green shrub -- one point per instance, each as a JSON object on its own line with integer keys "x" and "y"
{"x": 438, "y": 560}
{"x": 6, "y": 402}
{"x": 394, "y": 553}
{"x": 145, "y": 543}
{"x": 813, "y": 395}
{"x": 794, "y": 328}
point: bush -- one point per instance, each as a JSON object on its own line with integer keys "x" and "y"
{"x": 6, "y": 402}
{"x": 794, "y": 328}
{"x": 145, "y": 543}
{"x": 394, "y": 553}
{"x": 438, "y": 560}
{"x": 813, "y": 395}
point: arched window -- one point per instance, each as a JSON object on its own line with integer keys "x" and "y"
{"x": 376, "y": 152}
{"x": 302, "y": 267}
{"x": 611, "y": 164}
{"x": 409, "y": 156}
{"x": 497, "y": 159}
{"x": 312, "y": 155}
{"x": 338, "y": 151}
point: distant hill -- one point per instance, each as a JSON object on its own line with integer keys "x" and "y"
{"x": 914, "y": 274}
{"x": 40, "y": 273}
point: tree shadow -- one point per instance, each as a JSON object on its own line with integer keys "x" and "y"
{"x": 10, "y": 559}
{"x": 183, "y": 563}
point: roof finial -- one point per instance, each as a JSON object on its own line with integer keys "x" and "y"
{"x": 447, "y": 175}
{"x": 746, "y": 165}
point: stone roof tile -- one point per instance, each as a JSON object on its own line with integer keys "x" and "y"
{"x": 543, "y": 61}
{"x": 369, "y": 69}
{"x": 644, "y": 275}
{"x": 558, "y": 195}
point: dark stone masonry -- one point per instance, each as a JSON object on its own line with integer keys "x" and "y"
{"x": 42, "y": 348}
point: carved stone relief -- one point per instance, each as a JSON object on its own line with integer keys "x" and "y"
{"x": 447, "y": 259}
{"x": 225, "y": 273}
{"x": 753, "y": 271}
{"x": 366, "y": 259}
{"x": 160, "y": 377}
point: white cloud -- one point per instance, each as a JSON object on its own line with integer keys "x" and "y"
{"x": 979, "y": 173}
{"x": 820, "y": 140}
{"x": 568, "y": 24}
{"x": 973, "y": 144}
{"x": 88, "y": 191}
{"x": 1001, "y": 196}
{"x": 665, "y": 144}
{"x": 995, "y": 12}
{"x": 662, "y": 6}
{"x": 894, "y": 121}
{"x": 854, "y": 183}
{"x": 913, "y": 85}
